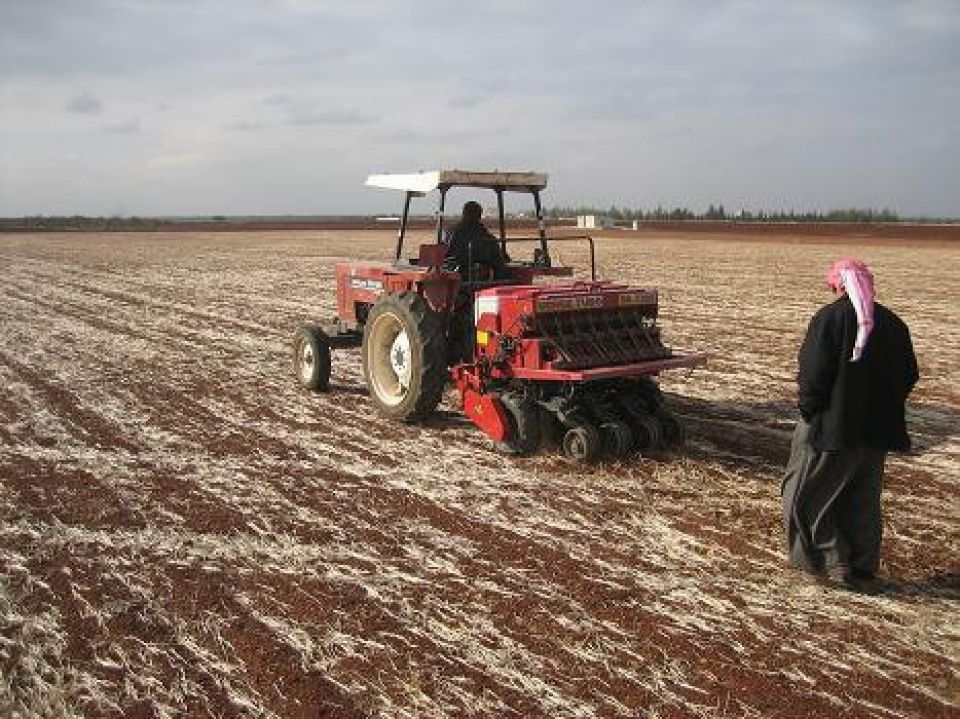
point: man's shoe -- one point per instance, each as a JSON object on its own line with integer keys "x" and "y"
{"x": 840, "y": 575}
{"x": 866, "y": 583}
{"x": 843, "y": 577}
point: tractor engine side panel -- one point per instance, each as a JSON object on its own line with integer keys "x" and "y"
{"x": 358, "y": 284}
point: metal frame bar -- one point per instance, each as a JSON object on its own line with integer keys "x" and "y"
{"x": 637, "y": 369}
{"x": 503, "y": 220}
{"x": 403, "y": 224}
{"x": 541, "y": 226}
{"x": 440, "y": 206}
{"x": 568, "y": 238}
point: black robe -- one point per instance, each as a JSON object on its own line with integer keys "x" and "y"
{"x": 856, "y": 404}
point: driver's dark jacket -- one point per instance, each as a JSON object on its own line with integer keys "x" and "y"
{"x": 485, "y": 249}
{"x": 855, "y": 404}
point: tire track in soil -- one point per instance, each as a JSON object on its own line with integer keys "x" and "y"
{"x": 148, "y": 305}
{"x": 51, "y": 491}
{"x": 88, "y": 426}
{"x": 264, "y": 657}
{"x": 477, "y": 573}
{"x": 122, "y": 644}
{"x": 382, "y": 624}
{"x": 541, "y": 565}
{"x": 61, "y": 311}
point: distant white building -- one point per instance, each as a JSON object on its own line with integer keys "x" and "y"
{"x": 593, "y": 222}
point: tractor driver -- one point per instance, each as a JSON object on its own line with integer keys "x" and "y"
{"x": 472, "y": 241}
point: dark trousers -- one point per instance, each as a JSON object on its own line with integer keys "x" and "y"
{"x": 831, "y": 506}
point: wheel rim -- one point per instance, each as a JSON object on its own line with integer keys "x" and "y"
{"x": 306, "y": 360}
{"x": 400, "y": 358}
{"x": 390, "y": 359}
{"x": 576, "y": 444}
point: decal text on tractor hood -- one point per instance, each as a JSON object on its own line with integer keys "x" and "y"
{"x": 361, "y": 283}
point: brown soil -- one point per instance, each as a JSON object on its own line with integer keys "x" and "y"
{"x": 185, "y": 532}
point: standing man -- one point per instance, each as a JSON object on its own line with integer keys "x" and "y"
{"x": 856, "y": 368}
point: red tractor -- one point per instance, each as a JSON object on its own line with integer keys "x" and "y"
{"x": 571, "y": 362}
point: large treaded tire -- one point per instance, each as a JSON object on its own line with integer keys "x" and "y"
{"x": 405, "y": 376}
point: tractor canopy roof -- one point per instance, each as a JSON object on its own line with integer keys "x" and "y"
{"x": 423, "y": 182}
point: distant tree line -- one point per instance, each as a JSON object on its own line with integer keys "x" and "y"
{"x": 718, "y": 212}
{"x": 80, "y": 222}
{"x": 619, "y": 214}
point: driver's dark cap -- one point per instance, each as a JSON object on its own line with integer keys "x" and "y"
{"x": 472, "y": 210}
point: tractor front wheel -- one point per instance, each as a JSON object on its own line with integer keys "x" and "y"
{"x": 404, "y": 356}
{"x": 311, "y": 357}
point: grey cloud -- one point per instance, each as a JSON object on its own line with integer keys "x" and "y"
{"x": 309, "y": 110}
{"x": 279, "y": 99}
{"x": 244, "y": 126}
{"x": 465, "y": 102}
{"x": 329, "y": 117}
{"x": 130, "y": 126}
{"x": 685, "y": 100}
{"x": 84, "y": 104}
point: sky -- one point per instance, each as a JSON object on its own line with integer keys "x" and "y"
{"x": 196, "y": 107}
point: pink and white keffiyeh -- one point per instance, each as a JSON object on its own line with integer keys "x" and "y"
{"x": 854, "y": 277}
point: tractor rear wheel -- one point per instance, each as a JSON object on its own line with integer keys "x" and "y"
{"x": 404, "y": 356}
{"x": 311, "y": 357}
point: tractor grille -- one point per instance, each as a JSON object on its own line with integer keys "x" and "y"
{"x": 600, "y": 338}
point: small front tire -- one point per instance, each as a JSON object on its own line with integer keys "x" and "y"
{"x": 582, "y": 443}
{"x": 311, "y": 358}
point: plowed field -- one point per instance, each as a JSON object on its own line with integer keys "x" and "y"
{"x": 185, "y": 532}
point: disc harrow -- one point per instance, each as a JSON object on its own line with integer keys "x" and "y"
{"x": 604, "y": 421}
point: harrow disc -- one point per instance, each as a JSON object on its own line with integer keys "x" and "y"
{"x": 617, "y": 438}
{"x": 551, "y": 430}
{"x": 670, "y": 428}
{"x": 647, "y": 431}
{"x": 524, "y": 422}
